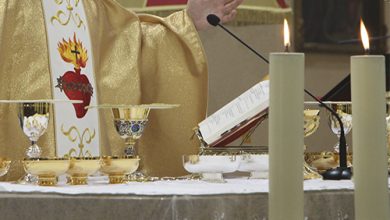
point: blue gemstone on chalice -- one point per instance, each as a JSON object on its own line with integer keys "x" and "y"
{"x": 135, "y": 128}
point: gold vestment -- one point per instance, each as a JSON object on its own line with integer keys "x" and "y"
{"x": 138, "y": 59}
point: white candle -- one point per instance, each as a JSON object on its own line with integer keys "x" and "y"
{"x": 369, "y": 136}
{"x": 286, "y": 136}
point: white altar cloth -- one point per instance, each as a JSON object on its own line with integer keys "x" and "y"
{"x": 174, "y": 187}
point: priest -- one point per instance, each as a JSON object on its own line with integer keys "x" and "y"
{"x": 98, "y": 52}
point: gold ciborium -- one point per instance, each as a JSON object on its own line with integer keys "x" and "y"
{"x": 117, "y": 168}
{"x": 46, "y": 169}
{"x": 80, "y": 168}
{"x": 311, "y": 124}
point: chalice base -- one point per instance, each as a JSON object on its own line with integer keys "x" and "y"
{"x": 77, "y": 179}
{"x": 28, "y": 179}
{"x": 139, "y": 176}
{"x": 116, "y": 178}
{"x": 47, "y": 180}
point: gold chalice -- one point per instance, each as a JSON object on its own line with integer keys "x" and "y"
{"x": 311, "y": 124}
{"x": 117, "y": 168}
{"x": 46, "y": 169}
{"x": 130, "y": 123}
{"x": 80, "y": 168}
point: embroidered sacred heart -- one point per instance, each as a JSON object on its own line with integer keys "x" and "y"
{"x": 75, "y": 84}
{"x": 76, "y": 87}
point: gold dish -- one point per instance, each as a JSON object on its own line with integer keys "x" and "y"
{"x": 118, "y": 167}
{"x": 80, "y": 168}
{"x": 47, "y": 169}
{"x": 325, "y": 160}
{"x": 4, "y": 166}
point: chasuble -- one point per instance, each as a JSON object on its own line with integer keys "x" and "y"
{"x": 128, "y": 59}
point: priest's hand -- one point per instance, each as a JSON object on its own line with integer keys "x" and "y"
{"x": 198, "y": 10}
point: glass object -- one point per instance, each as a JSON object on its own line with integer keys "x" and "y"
{"x": 344, "y": 111}
{"x": 34, "y": 120}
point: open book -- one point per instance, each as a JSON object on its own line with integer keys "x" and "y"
{"x": 236, "y": 117}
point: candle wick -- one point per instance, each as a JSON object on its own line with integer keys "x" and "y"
{"x": 286, "y": 48}
{"x": 366, "y": 51}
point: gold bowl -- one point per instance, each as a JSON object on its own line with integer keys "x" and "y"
{"x": 47, "y": 169}
{"x": 4, "y": 166}
{"x": 118, "y": 167}
{"x": 80, "y": 168}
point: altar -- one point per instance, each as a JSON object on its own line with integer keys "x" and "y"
{"x": 238, "y": 198}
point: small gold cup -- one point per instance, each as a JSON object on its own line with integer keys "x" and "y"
{"x": 118, "y": 167}
{"x": 80, "y": 168}
{"x": 46, "y": 169}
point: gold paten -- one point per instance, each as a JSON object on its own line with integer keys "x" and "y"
{"x": 47, "y": 170}
{"x": 81, "y": 168}
{"x": 117, "y": 168}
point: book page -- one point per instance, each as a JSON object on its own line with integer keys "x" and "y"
{"x": 244, "y": 107}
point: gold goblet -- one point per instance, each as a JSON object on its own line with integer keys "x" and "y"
{"x": 130, "y": 123}
{"x": 311, "y": 124}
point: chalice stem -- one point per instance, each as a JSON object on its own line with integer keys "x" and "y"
{"x": 129, "y": 147}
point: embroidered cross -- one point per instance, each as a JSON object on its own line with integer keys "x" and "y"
{"x": 75, "y": 51}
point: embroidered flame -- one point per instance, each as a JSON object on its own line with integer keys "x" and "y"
{"x": 73, "y": 52}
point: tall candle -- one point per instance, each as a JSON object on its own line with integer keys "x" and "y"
{"x": 286, "y": 136}
{"x": 369, "y": 137}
